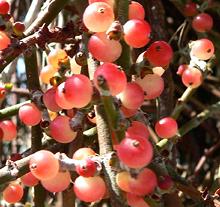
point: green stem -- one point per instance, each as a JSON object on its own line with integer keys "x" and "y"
{"x": 11, "y": 110}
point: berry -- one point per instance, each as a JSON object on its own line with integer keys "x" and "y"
{"x": 58, "y": 183}
{"x": 152, "y": 85}
{"x": 4, "y": 7}
{"x": 29, "y": 180}
{"x": 98, "y": 17}
{"x": 90, "y": 189}
{"x": 127, "y": 96}
{"x": 166, "y": 127}
{"x": 60, "y": 130}
{"x": 203, "y": 49}
{"x": 192, "y": 77}
{"x": 25, "y": 111}
{"x": 138, "y": 128}
{"x": 190, "y": 9}
{"x": 4, "y": 41}
{"x": 43, "y": 165}
{"x": 135, "y": 151}
{"x": 136, "y": 201}
{"x": 57, "y": 57}
{"x": 46, "y": 73}
{"x": 13, "y": 193}
{"x": 78, "y": 90}
{"x": 8, "y": 129}
{"x": 137, "y": 33}
{"x": 160, "y": 53}
{"x": 83, "y": 153}
{"x": 49, "y": 100}
{"x": 136, "y": 11}
{"x": 60, "y": 97}
{"x": 115, "y": 78}
{"x": 202, "y": 22}
{"x": 165, "y": 182}
{"x": 144, "y": 183}
{"x": 104, "y": 49}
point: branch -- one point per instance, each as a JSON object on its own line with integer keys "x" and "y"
{"x": 11, "y": 110}
{"x": 105, "y": 143}
{"x": 40, "y": 37}
{"x": 50, "y": 11}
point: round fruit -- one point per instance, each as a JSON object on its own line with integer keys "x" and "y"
{"x": 137, "y": 33}
{"x": 115, "y": 78}
{"x": 203, "y": 49}
{"x": 202, "y": 22}
{"x": 13, "y": 193}
{"x": 166, "y": 127}
{"x": 60, "y": 130}
{"x": 43, "y": 165}
{"x": 90, "y": 189}
{"x": 29, "y": 114}
{"x": 4, "y": 7}
{"x": 58, "y": 183}
{"x": 98, "y": 45}
{"x": 160, "y": 53}
{"x": 98, "y": 17}
{"x": 9, "y": 130}
{"x": 4, "y": 41}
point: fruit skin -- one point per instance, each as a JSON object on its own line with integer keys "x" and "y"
{"x": 4, "y": 7}
{"x": 192, "y": 77}
{"x": 98, "y": 16}
{"x": 89, "y": 189}
{"x": 13, "y": 189}
{"x": 43, "y": 165}
{"x": 98, "y": 45}
{"x": 136, "y": 33}
{"x": 190, "y": 9}
{"x": 5, "y": 41}
{"x": 160, "y": 53}
{"x": 166, "y": 127}
{"x": 30, "y": 109}
{"x": 115, "y": 78}
{"x": 203, "y": 22}
{"x": 135, "y": 151}
{"x": 9, "y": 130}
{"x": 58, "y": 183}
{"x": 136, "y": 11}
{"x": 60, "y": 130}
{"x": 203, "y": 49}
{"x": 29, "y": 180}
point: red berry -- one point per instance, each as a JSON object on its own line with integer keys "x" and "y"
{"x": 160, "y": 53}
{"x": 165, "y": 182}
{"x": 13, "y": 193}
{"x": 115, "y": 78}
{"x": 192, "y": 77}
{"x": 137, "y": 33}
{"x": 166, "y": 127}
{"x": 4, "y": 7}
{"x": 4, "y": 41}
{"x": 190, "y": 9}
{"x": 202, "y": 22}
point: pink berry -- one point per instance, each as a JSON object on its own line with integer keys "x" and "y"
{"x": 166, "y": 127}
{"x": 115, "y": 78}
{"x": 202, "y": 22}
{"x": 137, "y": 33}
{"x": 8, "y": 129}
